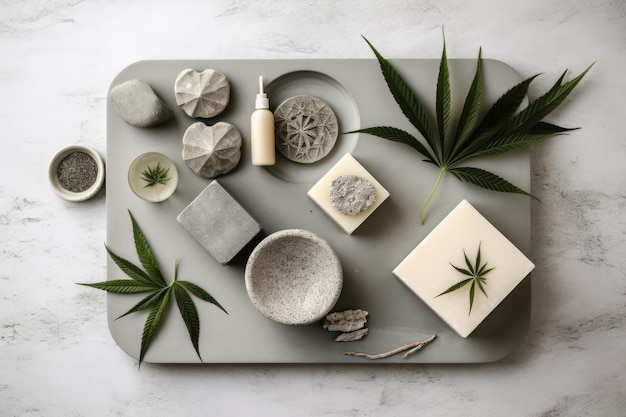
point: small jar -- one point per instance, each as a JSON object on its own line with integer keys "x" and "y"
{"x": 76, "y": 172}
{"x": 153, "y": 177}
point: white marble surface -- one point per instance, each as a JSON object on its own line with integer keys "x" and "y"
{"x": 57, "y": 59}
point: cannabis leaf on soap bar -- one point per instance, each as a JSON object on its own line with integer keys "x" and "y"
{"x": 476, "y": 274}
{"x": 150, "y": 280}
{"x": 502, "y": 129}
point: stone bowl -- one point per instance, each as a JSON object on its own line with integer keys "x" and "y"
{"x": 294, "y": 277}
{"x": 55, "y": 182}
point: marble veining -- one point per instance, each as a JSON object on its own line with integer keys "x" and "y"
{"x": 57, "y": 357}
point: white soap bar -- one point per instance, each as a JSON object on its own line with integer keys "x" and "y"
{"x": 320, "y": 193}
{"x": 428, "y": 270}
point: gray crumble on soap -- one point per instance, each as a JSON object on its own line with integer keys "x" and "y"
{"x": 137, "y": 104}
{"x": 351, "y": 194}
{"x": 219, "y": 223}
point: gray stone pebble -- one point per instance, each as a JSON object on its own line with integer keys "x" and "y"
{"x": 351, "y": 194}
{"x": 137, "y": 103}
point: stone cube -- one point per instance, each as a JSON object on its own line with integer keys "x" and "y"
{"x": 219, "y": 223}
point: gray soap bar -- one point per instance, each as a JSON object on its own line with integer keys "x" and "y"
{"x": 221, "y": 225}
{"x": 137, "y": 103}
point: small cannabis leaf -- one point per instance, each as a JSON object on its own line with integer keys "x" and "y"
{"x": 476, "y": 274}
{"x": 156, "y": 175}
{"x": 502, "y": 129}
{"x": 150, "y": 280}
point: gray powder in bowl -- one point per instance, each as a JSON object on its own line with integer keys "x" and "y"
{"x": 77, "y": 172}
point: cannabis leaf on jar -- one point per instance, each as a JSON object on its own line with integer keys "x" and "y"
{"x": 150, "y": 280}
{"x": 157, "y": 175}
{"x": 502, "y": 129}
{"x": 476, "y": 274}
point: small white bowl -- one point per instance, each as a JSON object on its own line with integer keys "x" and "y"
{"x": 53, "y": 177}
{"x": 158, "y": 192}
{"x": 294, "y": 277}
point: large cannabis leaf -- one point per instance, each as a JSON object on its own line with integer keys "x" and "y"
{"x": 502, "y": 129}
{"x": 151, "y": 281}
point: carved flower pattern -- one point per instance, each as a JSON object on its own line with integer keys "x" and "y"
{"x": 306, "y": 129}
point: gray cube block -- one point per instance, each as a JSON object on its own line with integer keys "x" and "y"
{"x": 221, "y": 225}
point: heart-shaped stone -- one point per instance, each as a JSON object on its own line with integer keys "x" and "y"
{"x": 211, "y": 151}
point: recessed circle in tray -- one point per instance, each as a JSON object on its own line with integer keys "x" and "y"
{"x": 316, "y": 84}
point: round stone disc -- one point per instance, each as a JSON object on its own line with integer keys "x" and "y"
{"x": 306, "y": 129}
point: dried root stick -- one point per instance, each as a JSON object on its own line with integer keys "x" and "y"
{"x": 410, "y": 348}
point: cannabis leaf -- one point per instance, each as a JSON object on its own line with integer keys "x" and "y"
{"x": 156, "y": 175}
{"x": 502, "y": 129}
{"x": 476, "y": 274}
{"x": 150, "y": 280}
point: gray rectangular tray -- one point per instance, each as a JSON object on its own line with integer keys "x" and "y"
{"x": 277, "y": 198}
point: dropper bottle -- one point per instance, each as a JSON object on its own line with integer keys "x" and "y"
{"x": 262, "y": 130}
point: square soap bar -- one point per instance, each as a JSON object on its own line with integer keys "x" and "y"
{"x": 321, "y": 195}
{"x": 429, "y": 270}
{"x": 221, "y": 225}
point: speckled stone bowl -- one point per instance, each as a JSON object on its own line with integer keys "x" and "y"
{"x": 294, "y": 277}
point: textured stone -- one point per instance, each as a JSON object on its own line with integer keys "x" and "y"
{"x": 219, "y": 223}
{"x": 137, "y": 103}
{"x": 352, "y": 336}
{"x": 345, "y": 321}
{"x": 351, "y": 194}
{"x": 202, "y": 94}
{"x": 212, "y": 150}
{"x": 306, "y": 129}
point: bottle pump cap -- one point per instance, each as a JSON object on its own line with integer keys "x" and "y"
{"x": 262, "y": 101}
